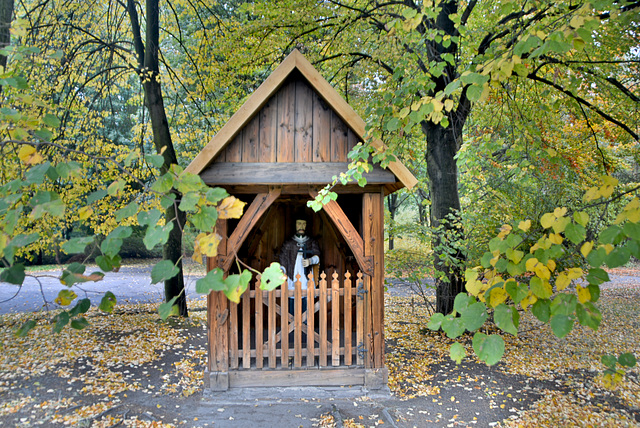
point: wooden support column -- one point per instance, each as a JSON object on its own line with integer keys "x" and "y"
{"x": 373, "y": 221}
{"x": 217, "y": 378}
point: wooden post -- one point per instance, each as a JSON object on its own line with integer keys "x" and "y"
{"x": 335, "y": 320}
{"x": 259, "y": 298}
{"x": 311, "y": 297}
{"x": 217, "y": 314}
{"x": 297, "y": 322}
{"x": 347, "y": 320}
{"x": 322, "y": 357}
{"x": 360, "y": 300}
{"x": 233, "y": 335}
{"x": 246, "y": 329}
{"x": 284, "y": 326}
{"x": 373, "y": 218}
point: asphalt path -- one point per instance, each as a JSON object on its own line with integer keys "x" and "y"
{"x": 131, "y": 284}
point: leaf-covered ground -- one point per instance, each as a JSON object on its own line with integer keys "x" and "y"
{"x": 131, "y": 369}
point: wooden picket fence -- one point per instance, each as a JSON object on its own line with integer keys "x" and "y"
{"x": 332, "y": 331}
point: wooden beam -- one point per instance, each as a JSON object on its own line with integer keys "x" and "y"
{"x": 349, "y": 233}
{"x": 299, "y": 377}
{"x": 285, "y": 173}
{"x": 298, "y": 189}
{"x": 373, "y": 221}
{"x": 249, "y": 219}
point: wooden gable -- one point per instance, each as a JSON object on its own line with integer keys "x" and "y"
{"x": 294, "y": 129}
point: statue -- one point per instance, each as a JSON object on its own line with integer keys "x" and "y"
{"x": 297, "y": 257}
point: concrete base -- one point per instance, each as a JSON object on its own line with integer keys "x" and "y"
{"x": 216, "y": 381}
{"x": 376, "y": 379}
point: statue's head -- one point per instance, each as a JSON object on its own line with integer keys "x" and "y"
{"x": 301, "y": 226}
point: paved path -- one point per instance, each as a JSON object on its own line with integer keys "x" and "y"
{"x": 131, "y": 284}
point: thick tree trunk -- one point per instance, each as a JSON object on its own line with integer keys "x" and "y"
{"x": 148, "y": 59}
{"x": 445, "y": 210}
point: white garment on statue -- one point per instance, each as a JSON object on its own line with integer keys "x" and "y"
{"x": 299, "y": 270}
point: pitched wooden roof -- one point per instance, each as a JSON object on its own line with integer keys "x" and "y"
{"x": 295, "y": 61}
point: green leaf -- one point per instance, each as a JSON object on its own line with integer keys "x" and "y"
{"x": 627, "y": 359}
{"x": 150, "y": 218}
{"x": 65, "y": 297}
{"x": 13, "y": 275}
{"x": 189, "y": 182}
{"x": 25, "y": 328}
{"x": 163, "y": 270}
{"x": 108, "y": 302}
{"x": 506, "y": 318}
{"x": 488, "y": 348}
{"x": 588, "y": 315}
{"x": 80, "y": 323}
{"x": 564, "y": 304}
{"x": 163, "y": 184}
{"x": 166, "y": 309}
{"x": 462, "y": 301}
{"x": 594, "y": 290}
{"x": 597, "y": 276}
{"x": 393, "y": 124}
{"x": 96, "y": 196}
{"x": 43, "y": 134}
{"x": 236, "y": 285}
{"x": 561, "y": 325}
{"x": 609, "y": 361}
{"x": 618, "y": 257}
{"x": 575, "y": 232}
{"x": 474, "y": 316}
{"x": 205, "y": 219}
{"x": 632, "y": 230}
{"x": 214, "y": 280}
{"x": 155, "y": 160}
{"x": 272, "y": 277}
{"x": 36, "y": 174}
{"x": 611, "y": 235}
{"x": 540, "y": 288}
{"x": 516, "y": 291}
{"x": 435, "y": 322}
{"x": 130, "y": 210}
{"x": 474, "y": 93}
{"x": 457, "y": 352}
{"x": 596, "y": 257}
{"x": 189, "y": 201}
{"x": 108, "y": 264}
{"x": 81, "y": 307}
{"x": 76, "y": 245}
{"x": 453, "y": 326}
{"x": 541, "y": 310}
{"x": 51, "y": 120}
{"x": 60, "y": 321}
{"x": 157, "y": 235}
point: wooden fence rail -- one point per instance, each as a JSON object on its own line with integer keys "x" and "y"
{"x": 325, "y": 328}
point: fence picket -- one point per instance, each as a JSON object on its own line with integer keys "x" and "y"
{"x": 284, "y": 326}
{"x": 272, "y": 329}
{"x": 246, "y": 330}
{"x": 335, "y": 320}
{"x": 311, "y": 297}
{"x": 258, "y": 299}
{"x": 360, "y": 320}
{"x": 322, "y": 358}
{"x": 233, "y": 335}
{"x": 297, "y": 320}
{"x": 347, "y": 320}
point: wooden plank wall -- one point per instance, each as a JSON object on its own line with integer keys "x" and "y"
{"x": 295, "y": 125}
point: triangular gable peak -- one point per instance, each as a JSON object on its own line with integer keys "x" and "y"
{"x": 295, "y": 128}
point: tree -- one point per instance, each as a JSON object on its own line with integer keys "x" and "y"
{"x": 441, "y": 59}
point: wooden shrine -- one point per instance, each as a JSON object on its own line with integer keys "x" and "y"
{"x": 284, "y": 144}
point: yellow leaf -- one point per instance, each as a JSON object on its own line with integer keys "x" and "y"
{"x": 608, "y": 180}
{"x": 547, "y": 220}
{"x": 527, "y": 301}
{"x": 561, "y": 224}
{"x": 29, "y": 155}
{"x": 633, "y": 215}
{"x": 559, "y": 212}
{"x": 592, "y": 194}
{"x": 65, "y": 297}
{"x": 234, "y": 294}
{"x": 208, "y": 244}
{"x": 504, "y": 231}
{"x": 531, "y": 264}
{"x": 556, "y": 238}
{"x": 494, "y": 260}
{"x": 230, "y": 207}
{"x": 575, "y": 273}
{"x": 524, "y": 225}
{"x": 581, "y": 218}
{"x": 608, "y": 248}
{"x": 497, "y": 296}
{"x": 448, "y": 104}
{"x": 84, "y": 213}
{"x": 586, "y": 248}
{"x": 542, "y": 271}
{"x": 584, "y": 295}
{"x": 562, "y": 281}
{"x": 514, "y": 255}
{"x": 551, "y": 264}
{"x": 633, "y": 204}
{"x": 474, "y": 287}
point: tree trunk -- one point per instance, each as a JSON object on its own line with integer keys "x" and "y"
{"x": 392, "y": 204}
{"x": 6, "y": 13}
{"x": 445, "y": 211}
{"x": 148, "y": 59}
